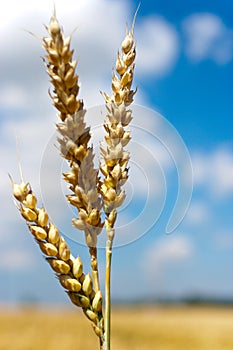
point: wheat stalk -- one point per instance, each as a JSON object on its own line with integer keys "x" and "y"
{"x": 69, "y": 270}
{"x": 74, "y": 139}
{"x": 114, "y": 156}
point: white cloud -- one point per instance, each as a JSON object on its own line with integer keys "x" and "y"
{"x": 13, "y": 96}
{"x": 96, "y": 44}
{"x": 158, "y": 46}
{"x": 198, "y": 213}
{"x": 168, "y": 250}
{"x": 165, "y": 265}
{"x": 208, "y": 38}
{"x": 214, "y": 171}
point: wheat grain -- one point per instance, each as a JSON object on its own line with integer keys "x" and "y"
{"x": 74, "y": 139}
{"x": 69, "y": 270}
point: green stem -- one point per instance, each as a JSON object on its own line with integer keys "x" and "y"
{"x": 110, "y": 235}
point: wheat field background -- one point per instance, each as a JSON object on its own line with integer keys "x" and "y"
{"x": 138, "y": 328}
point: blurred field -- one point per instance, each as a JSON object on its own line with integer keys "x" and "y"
{"x": 141, "y": 328}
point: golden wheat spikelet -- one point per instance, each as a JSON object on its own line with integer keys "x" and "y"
{"x": 69, "y": 270}
{"x": 114, "y": 156}
{"x": 75, "y": 135}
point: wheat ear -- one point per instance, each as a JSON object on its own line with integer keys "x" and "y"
{"x": 82, "y": 177}
{"x": 69, "y": 270}
{"x": 114, "y": 156}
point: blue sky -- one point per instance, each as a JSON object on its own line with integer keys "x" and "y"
{"x": 183, "y": 72}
